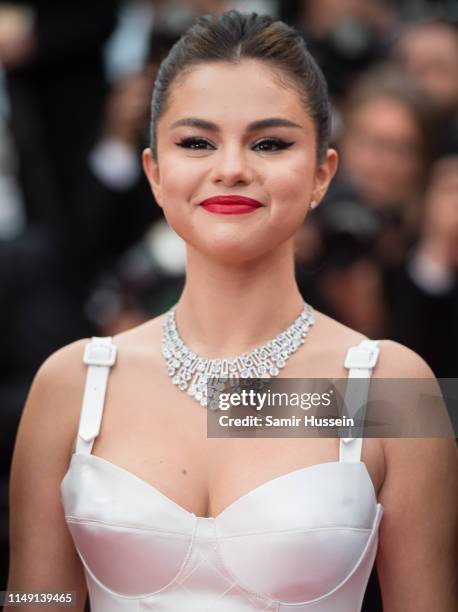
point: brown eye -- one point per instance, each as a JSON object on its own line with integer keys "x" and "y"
{"x": 195, "y": 144}
{"x": 272, "y": 144}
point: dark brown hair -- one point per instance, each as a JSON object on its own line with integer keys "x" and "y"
{"x": 234, "y": 36}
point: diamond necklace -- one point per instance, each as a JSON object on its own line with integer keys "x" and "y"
{"x": 192, "y": 372}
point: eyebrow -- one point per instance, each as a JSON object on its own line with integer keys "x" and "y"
{"x": 255, "y": 125}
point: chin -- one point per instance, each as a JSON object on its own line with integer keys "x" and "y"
{"x": 242, "y": 251}
{"x": 231, "y": 252}
{"x": 232, "y": 241}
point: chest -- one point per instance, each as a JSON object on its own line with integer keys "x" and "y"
{"x": 159, "y": 434}
{"x": 296, "y": 539}
{"x": 169, "y": 449}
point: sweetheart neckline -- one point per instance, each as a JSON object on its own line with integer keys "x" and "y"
{"x": 239, "y": 499}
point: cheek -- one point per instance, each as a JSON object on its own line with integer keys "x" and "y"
{"x": 179, "y": 184}
{"x": 177, "y": 179}
{"x": 291, "y": 191}
{"x": 287, "y": 186}
{"x": 175, "y": 188}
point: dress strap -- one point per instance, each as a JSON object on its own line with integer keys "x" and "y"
{"x": 360, "y": 361}
{"x": 99, "y": 356}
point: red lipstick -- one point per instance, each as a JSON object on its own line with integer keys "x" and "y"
{"x": 230, "y": 205}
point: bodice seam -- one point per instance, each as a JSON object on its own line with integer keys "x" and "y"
{"x": 291, "y": 531}
{"x": 146, "y": 595}
{"x": 373, "y": 534}
{"x": 87, "y": 521}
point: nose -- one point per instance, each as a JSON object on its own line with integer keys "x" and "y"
{"x": 231, "y": 166}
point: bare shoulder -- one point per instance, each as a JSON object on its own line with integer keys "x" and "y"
{"x": 54, "y": 401}
{"x": 330, "y": 332}
{"x": 328, "y": 342}
{"x": 395, "y": 360}
{"x": 61, "y": 377}
{"x": 53, "y": 407}
{"x": 399, "y": 361}
{"x": 61, "y": 366}
{"x": 142, "y": 337}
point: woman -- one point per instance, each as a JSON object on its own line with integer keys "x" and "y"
{"x": 386, "y": 150}
{"x": 162, "y": 517}
{"x": 384, "y": 158}
{"x": 387, "y": 159}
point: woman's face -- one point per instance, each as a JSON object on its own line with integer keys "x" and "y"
{"x": 381, "y": 151}
{"x": 235, "y": 130}
{"x": 430, "y": 54}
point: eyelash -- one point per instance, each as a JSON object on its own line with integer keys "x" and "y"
{"x": 187, "y": 143}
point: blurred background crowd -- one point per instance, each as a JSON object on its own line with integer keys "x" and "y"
{"x": 84, "y": 250}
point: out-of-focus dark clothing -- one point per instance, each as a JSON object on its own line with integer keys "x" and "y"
{"x": 351, "y": 232}
{"x": 426, "y": 323}
{"x": 40, "y": 311}
{"x": 109, "y": 221}
{"x": 57, "y": 99}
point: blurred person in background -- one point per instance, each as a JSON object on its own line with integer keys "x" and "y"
{"x": 395, "y": 127}
{"x": 423, "y": 293}
{"x": 370, "y": 217}
{"x": 347, "y": 36}
{"x": 51, "y": 60}
{"x": 428, "y": 52}
{"x": 51, "y": 51}
{"x": 386, "y": 150}
{"x": 394, "y": 225}
{"x": 115, "y": 210}
{"x": 131, "y": 284}
{"x": 337, "y": 267}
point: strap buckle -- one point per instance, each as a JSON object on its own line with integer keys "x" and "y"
{"x": 363, "y": 358}
{"x": 100, "y": 353}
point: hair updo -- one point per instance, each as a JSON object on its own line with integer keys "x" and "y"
{"x": 234, "y": 36}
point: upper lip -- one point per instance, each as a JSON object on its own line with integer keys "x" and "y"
{"x": 231, "y": 199}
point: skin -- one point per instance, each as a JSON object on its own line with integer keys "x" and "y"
{"x": 17, "y": 39}
{"x": 234, "y": 263}
{"x": 383, "y": 157}
{"x": 430, "y": 53}
{"x": 439, "y": 239}
{"x": 320, "y": 17}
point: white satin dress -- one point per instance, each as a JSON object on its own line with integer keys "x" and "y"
{"x": 302, "y": 542}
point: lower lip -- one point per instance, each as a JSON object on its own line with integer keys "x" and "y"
{"x": 230, "y": 209}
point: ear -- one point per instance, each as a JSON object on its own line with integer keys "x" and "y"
{"x": 323, "y": 175}
{"x": 151, "y": 168}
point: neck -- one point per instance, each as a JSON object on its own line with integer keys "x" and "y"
{"x": 227, "y": 310}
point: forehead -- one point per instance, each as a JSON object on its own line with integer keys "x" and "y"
{"x": 394, "y": 117}
{"x": 434, "y": 39}
{"x": 235, "y": 93}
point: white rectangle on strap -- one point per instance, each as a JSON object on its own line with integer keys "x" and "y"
{"x": 100, "y": 354}
{"x": 358, "y": 357}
